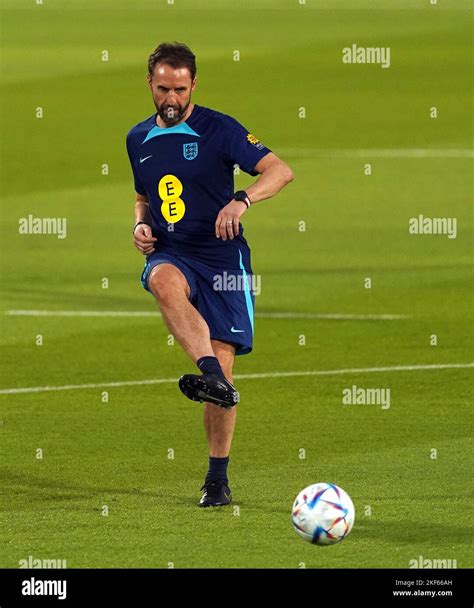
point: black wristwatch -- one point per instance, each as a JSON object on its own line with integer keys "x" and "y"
{"x": 241, "y": 195}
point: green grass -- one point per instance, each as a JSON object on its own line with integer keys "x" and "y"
{"x": 116, "y": 453}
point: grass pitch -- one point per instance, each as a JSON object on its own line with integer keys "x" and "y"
{"x": 106, "y": 492}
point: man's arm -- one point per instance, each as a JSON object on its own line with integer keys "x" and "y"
{"x": 275, "y": 174}
{"x": 142, "y": 208}
{"x": 142, "y": 236}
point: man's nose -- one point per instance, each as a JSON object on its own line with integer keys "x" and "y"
{"x": 171, "y": 98}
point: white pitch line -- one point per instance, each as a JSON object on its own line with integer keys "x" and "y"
{"x": 323, "y": 372}
{"x": 261, "y": 315}
{"x": 82, "y": 313}
{"x": 333, "y": 316}
{"x": 368, "y": 153}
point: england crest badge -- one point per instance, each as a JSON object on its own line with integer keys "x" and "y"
{"x": 190, "y": 151}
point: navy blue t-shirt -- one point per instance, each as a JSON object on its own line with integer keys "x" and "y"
{"x": 187, "y": 173}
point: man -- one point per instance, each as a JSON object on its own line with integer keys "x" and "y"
{"x": 187, "y": 225}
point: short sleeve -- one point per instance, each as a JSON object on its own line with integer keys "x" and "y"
{"x": 138, "y": 185}
{"x": 242, "y": 147}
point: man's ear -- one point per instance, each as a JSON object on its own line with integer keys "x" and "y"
{"x": 148, "y": 79}
{"x": 193, "y": 84}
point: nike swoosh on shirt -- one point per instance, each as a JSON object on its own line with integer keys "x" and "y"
{"x": 142, "y": 160}
{"x": 234, "y": 331}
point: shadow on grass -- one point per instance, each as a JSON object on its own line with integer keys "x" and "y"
{"x": 45, "y": 489}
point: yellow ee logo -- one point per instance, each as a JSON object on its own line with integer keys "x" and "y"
{"x": 170, "y": 189}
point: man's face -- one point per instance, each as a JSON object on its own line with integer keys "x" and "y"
{"x": 171, "y": 90}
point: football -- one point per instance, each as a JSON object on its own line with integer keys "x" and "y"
{"x": 323, "y": 514}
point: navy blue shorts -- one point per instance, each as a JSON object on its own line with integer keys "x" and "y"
{"x": 224, "y": 298}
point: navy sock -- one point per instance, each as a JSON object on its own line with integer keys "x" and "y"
{"x": 210, "y": 365}
{"x": 217, "y": 469}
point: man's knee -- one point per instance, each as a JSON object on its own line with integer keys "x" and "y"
{"x": 167, "y": 283}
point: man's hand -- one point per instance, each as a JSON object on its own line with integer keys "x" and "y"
{"x": 227, "y": 222}
{"x": 143, "y": 239}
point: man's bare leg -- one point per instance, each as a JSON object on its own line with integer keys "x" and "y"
{"x": 171, "y": 290}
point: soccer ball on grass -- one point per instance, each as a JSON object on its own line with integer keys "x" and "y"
{"x": 323, "y": 514}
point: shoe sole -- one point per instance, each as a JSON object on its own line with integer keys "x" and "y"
{"x": 195, "y": 389}
{"x": 219, "y": 504}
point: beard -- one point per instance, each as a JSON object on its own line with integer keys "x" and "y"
{"x": 172, "y": 114}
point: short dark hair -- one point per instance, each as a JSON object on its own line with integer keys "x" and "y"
{"x": 175, "y": 54}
